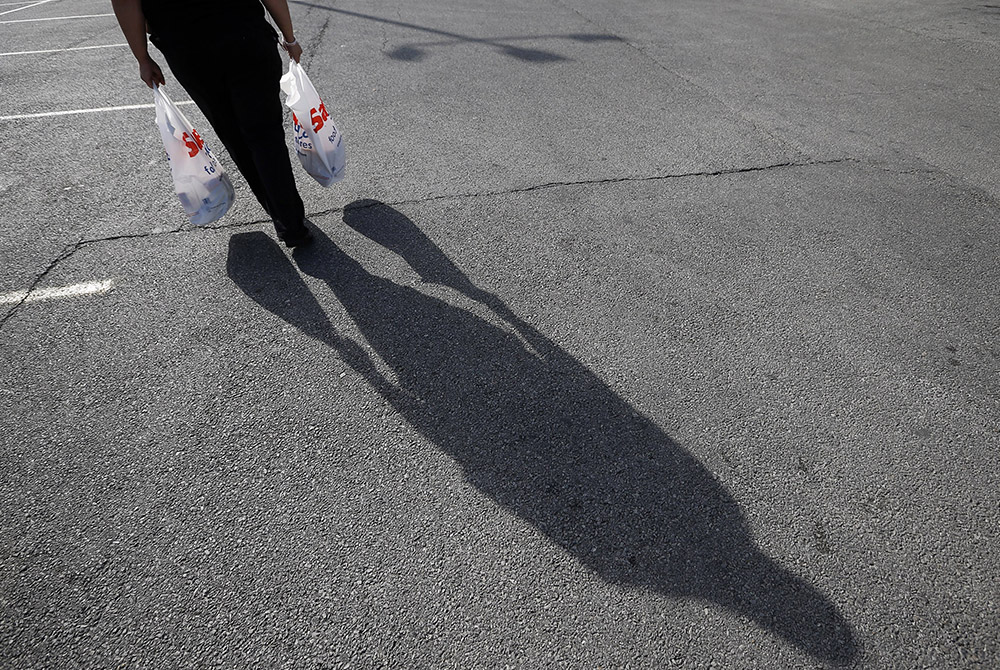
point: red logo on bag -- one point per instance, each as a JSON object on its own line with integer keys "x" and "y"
{"x": 318, "y": 117}
{"x": 193, "y": 145}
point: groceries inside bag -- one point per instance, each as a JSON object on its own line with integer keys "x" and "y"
{"x": 318, "y": 142}
{"x": 201, "y": 183}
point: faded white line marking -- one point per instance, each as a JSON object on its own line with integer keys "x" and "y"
{"x": 95, "y": 110}
{"x": 57, "y": 18}
{"x": 52, "y": 51}
{"x": 42, "y": 294}
{"x": 11, "y": 11}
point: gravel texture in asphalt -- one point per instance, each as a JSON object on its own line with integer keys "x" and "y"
{"x": 641, "y": 334}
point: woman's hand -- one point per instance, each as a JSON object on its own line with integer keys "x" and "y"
{"x": 278, "y": 9}
{"x": 293, "y": 49}
{"x": 133, "y": 25}
{"x": 150, "y": 72}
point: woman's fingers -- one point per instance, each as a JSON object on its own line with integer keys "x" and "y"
{"x": 294, "y": 51}
{"x": 150, "y": 73}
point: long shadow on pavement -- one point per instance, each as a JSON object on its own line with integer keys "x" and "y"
{"x": 538, "y": 432}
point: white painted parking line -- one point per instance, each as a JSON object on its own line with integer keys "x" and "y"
{"x": 11, "y": 4}
{"x": 52, "y": 51}
{"x": 57, "y": 18}
{"x": 41, "y": 2}
{"x": 86, "y": 111}
{"x": 42, "y": 294}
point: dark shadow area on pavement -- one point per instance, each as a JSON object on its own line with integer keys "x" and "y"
{"x": 416, "y": 51}
{"x": 538, "y": 432}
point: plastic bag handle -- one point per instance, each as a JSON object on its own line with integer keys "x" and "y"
{"x": 173, "y": 116}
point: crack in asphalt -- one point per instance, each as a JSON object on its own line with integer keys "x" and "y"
{"x": 71, "y": 249}
{"x": 67, "y": 251}
{"x": 385, "y": 38}
{"x": 317, "y": 41}
{"x": 599, "y": 182}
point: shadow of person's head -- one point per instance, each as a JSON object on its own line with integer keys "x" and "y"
{"x": 543, "y": 436}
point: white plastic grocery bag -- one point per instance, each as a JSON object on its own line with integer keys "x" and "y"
{"x": 318, "y": 143}
{"x": 201, "y": 183}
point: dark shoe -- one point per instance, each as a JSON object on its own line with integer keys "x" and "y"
{"x": 304, "y": 238}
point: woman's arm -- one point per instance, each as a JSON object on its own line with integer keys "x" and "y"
{"x": 133, "y": 24}
{"x": 278, "y": 9}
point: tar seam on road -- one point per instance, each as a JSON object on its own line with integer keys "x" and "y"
{"x": 71, "y": 249}
{"x": 610, "y": 180}
{"x": 67, "y": 251}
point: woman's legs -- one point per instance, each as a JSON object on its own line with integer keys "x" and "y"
{"x": 238, "y": 92}
{"x": 255, "y": 98}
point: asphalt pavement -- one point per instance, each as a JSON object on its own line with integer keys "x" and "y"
{"x": 645, "y": 334}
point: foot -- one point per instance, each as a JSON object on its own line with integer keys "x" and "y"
{"x": 301, "y": 239}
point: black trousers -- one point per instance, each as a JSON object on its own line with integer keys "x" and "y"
{"x": 236, "y": 87}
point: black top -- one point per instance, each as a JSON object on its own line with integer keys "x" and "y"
{"x": 191, "y": 21}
